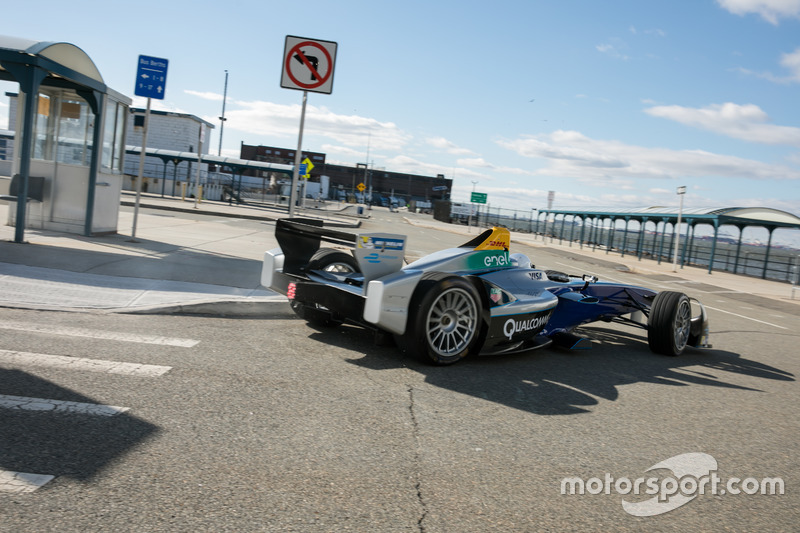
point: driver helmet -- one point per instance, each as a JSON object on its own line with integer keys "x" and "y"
{"x": 520, "y": 261}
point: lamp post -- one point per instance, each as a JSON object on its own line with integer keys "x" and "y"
{"x": 222, "y": 119}
{"x": 680, "y": 191}
{"x": 469, "y": 220}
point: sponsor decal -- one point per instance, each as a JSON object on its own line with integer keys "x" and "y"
{"x": 536, "y": 275}
{"x": 380, "y": 243}
{"x": 375, "y": 257}
{"x": 513, "y": 326}
{"x": 489, "y": 259}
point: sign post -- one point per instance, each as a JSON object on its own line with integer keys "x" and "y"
{"x": 151, "y": 80}
{"x": 478, "y": 198}
{"x": 307, "y": 66}
{"x": 475, "y": 198}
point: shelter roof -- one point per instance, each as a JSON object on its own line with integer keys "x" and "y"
{"x": 230, "y": 162}
{"x": 66, "y": 63}
{"x": 743, "y": 216}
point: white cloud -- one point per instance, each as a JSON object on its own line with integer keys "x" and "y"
{"x": 770, "y": 10}
{"x": 451, "y": 148}
{"x": 746, "y": 122}
{"x": 140, "y": 102}
{"x": 476, "y": 162}
{"x": 790, "y": 61}
{"x": 570, "y": 154}
{"x": 613, "y": 48}
{"x": 282, "y": 121}
{"x": 214, "y": 97}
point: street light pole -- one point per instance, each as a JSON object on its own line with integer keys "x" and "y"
{"x": 222, "y": 119}
{"x": 469, "y": 220}
{"x": 680, "y": 191}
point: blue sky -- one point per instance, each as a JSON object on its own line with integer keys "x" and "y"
{"x": 611, "y": 103}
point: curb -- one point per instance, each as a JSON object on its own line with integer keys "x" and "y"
{"x": 224, "y": 308}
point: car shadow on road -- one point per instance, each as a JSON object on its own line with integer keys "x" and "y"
{"x": 62, "y": 444}
{"x": 551, "y": 381}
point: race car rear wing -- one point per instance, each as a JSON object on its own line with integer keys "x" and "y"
{"x": 377, "y": 254}
{"x": 299, "y": 238}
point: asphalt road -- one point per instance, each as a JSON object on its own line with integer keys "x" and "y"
{"x": 266, "y": 424}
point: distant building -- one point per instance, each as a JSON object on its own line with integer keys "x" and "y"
{"x": 6, "y": 152}
{"x": 179, "y": 132}
{"x": 344, "y": 180}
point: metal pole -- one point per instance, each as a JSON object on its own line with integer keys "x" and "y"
{"x": 141, "y": 171}
{"x": 222, "y": 119}
{"x": 681, "y": 191}
{"x": 200, "y": 139}
{"x": 297, "y": 157}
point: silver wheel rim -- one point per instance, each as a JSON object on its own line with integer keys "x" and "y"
{"x": 342, "y": 268}
{"x": 683, "y": 323}
{"x": 451, "y": 322}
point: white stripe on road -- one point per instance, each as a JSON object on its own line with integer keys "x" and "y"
{"x": 97, "y": 334}
{"x": 8, "y": 357}
{"x": 746, "y": 317}
{"x": 21, "y": 481}
{"x": 24, "y": 403}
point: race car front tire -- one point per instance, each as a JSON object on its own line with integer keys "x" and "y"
{"x": 669, "y": 324}
{"x": 444, "y": 323}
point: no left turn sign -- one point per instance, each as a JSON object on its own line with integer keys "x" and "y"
{"x": 308, "y": 64}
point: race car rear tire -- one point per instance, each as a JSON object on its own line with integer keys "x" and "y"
{"x": 444, "y": 323}
{"x": 669, "y": 324}
{"x": 332, "y": 261}
{"x": 329, "y": 260}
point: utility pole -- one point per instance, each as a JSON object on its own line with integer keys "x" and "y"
{"x": 222, "y": 119}
{"x": 680, "y": 191}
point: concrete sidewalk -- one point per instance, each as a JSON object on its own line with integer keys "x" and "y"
{"x": 174, "y": 265}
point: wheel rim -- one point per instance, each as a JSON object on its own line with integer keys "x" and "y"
{"x": 451, "y": 322}
{"x": 683, "y": 323}
{"x": 342, "y": 268}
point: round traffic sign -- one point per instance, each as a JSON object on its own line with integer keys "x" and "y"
{"x": 308, "y": 69}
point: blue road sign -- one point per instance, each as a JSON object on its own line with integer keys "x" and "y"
{"x": 151, "y": 77}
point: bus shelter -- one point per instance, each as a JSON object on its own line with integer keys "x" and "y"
{"x": 70, "y": 137}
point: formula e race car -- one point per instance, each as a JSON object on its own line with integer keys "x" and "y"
{"x": 477, "y": 298}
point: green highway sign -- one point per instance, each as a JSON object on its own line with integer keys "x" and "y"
{"x": 478, "y": 198}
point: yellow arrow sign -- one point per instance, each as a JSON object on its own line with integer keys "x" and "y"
{"x": 309, "y": 165}
{"x": 361, "y": 187}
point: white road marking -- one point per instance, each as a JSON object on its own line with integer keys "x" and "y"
{"x": 747, "y": 318}
{"x": 12, "y": 358}
{"x": 24, "y": 403}
{"x": 21, "y": 481}
{"x": 97, "y": 334}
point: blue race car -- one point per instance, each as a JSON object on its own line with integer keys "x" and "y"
{"x": 474, "y": 299}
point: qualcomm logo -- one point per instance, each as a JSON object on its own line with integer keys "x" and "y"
{"x": 518, "y": 326}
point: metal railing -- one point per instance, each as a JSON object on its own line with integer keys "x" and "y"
{"x": 782, "y": 264}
